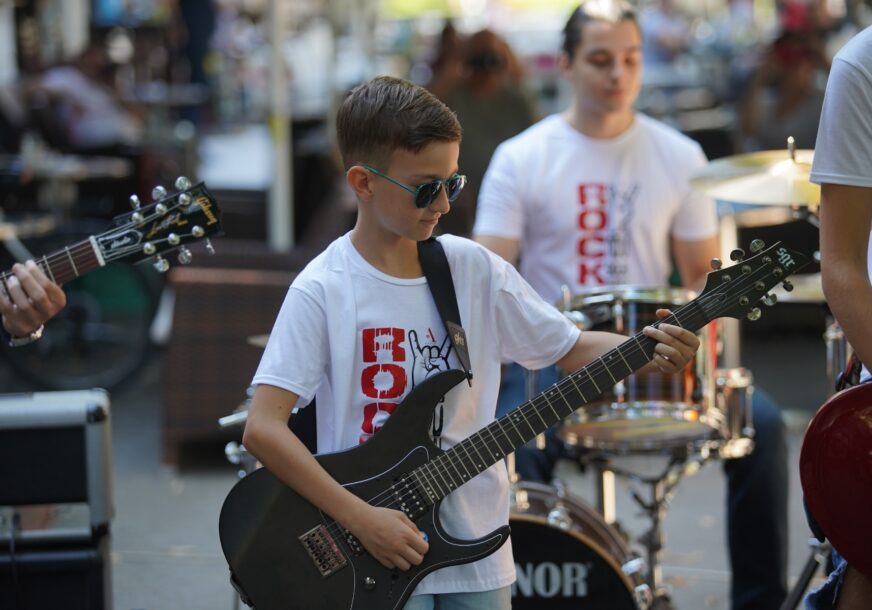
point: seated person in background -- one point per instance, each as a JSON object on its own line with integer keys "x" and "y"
{"x": 784, "y": 97}
{"x": 86, "y": 105}
{"x": 28, "y": 299}
{"x": 492, "y": 107}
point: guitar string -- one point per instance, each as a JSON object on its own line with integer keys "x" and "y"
{"x": 744, "y": 281}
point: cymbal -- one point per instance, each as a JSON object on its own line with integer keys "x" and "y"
{"x": 769, "y": 177}
{"x": 258, "y": 340}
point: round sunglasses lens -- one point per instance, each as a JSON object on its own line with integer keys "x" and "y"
{"x": 454, "y": 185}
{"x": 427, "y": 194}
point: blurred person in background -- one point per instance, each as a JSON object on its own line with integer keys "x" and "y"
{"x": 784, "y": 96}
{"x": 600, "y": 196}
{"x": 82, "y": 106}
{"x": 667, "y": 33}
{"x": 492, "y": 106}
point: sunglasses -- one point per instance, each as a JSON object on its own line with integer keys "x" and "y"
{"x": 425, "y": 194}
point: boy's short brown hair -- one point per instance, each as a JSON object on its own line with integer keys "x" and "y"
{"x": 386, "y": 114}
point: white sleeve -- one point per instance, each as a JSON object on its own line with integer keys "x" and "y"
{"x": 499, "y": 211}
{"x": 531, "y": 332}
{"x": 843, "y": 149}
{"x": 295, "y": 357}
{"x": 696, "y": 217}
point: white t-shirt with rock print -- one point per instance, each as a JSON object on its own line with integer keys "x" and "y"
{"x": 361, "y": 340}
{"x": 590, "y": 212}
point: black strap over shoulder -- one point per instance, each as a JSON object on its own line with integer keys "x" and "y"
{"x": 438, "y": 274}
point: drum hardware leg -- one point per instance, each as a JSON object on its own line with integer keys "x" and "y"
{"x": 820, "y": 553}
{"x": 838, "y": 352}
{"x": 732, "y": 352}
{"x": 605, "y": 494}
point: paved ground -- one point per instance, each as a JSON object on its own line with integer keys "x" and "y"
{"x": 166, "y": 554}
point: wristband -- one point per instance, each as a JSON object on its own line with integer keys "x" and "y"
{"x": 26, "y": 339}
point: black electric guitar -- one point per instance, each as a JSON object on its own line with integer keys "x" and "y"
{"x": 167, "y": 224}
{"x": 286, "y": 554}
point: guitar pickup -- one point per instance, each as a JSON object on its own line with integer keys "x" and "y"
{"x": 323, "y": 550}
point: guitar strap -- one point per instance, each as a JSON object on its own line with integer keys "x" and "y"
{"x": 435, "y": 266}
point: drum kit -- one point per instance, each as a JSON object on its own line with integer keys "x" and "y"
{"x": 569, "y": 554}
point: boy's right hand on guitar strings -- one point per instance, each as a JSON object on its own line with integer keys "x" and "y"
{"x": 389, "y": 536}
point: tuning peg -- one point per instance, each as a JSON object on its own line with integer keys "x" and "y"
{"x": 173, "y": 239}
{"x": 161, "y": 264}
{"x": 185, "y": 255}
{"x": 158, "y": 193}
{"x": 135, "y": 203}
{"x": 788, "y": 286}
{"x": 209, "y": 247}
{"x": 185, "y": 199}
{"x": 770, "y": 299}
{"x": 149, "y": 248}
{"x": 716, "y": 264}
{"x": 198, "y": 231}
{"x": 137, "y": 217}
{"x": 160, "y": 209}
{"x": 755, "y": 314}
{"x": 182, "y": 183}
{"x": 757, "y": 245}
{"x": 816, "y": 255}
{"x": 737, "y": 255}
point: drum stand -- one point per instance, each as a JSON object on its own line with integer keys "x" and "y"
{"x": 662, "y": 487}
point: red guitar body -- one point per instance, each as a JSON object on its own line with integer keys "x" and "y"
{"x": 835, "y": 468}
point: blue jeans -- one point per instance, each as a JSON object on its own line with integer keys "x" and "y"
{"x": 826, "y": 596}
{"x": 498, "y": 599}
{"x": 756, "y": 494}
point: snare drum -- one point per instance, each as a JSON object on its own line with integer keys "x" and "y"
{"x": 645, "y": 411}
{"x": 567, "y": 557}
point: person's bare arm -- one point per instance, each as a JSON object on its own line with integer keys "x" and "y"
{"x": 693, "y": 259}
{"x": 389, "y": 535}
{"x": 846, "y": 218}
{"x": 503, "y": 246}
{"x": 675, "y": 347}
{"x": 28, "y": 299}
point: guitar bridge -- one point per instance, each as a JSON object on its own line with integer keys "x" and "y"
{"x": 322, "y": 548}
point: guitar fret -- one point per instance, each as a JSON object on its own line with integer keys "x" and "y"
{"x": 72, "y": 263}
{"x": 500, "y": 453}
{"x": 578, "y": 389}
{"x": 606, "y": 367}
{"x": 618, "y": 349}
{"x": 48, "y": 269}
{"x": 509, "y": 419}
{"x": 465, "y": 469}
{"x": 593, "y": 381}
{"x": 553, "y": 410}
{"x": 435, "y": 483}
{"x": 565, "y": 402}
{"x": 520, "y": 413}
{"x": 482, "y": 462}
{"x": 542, "y": 419}
{"x": 442, "y": 468}
{"x": 423, "y": 485}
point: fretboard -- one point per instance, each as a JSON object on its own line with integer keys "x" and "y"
{"x": 64, "y": 265}
{"x": 464, "y": 461}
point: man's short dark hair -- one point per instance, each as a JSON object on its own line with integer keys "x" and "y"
{"x": 386, "y": 114}
{"x": 613, "y": 11}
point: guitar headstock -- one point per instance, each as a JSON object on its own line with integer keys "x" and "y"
{"x": 169, "y": 223}
{"x": 735, "y": 291}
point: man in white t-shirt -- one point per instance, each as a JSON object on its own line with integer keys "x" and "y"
{"x": 843, "y": 167}
{"x": 359, "y": 328}
{"x": 600, "y": 196}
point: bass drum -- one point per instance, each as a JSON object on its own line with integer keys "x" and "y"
{"x": 568, "y": 557}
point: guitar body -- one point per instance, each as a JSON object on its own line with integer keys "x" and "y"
{"x": 262, "y": 521}
{"x": 835, "y": 467}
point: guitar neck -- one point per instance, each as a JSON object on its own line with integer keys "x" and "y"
{"x": 66, "y": 264}
{"x": 464, "y": 461}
